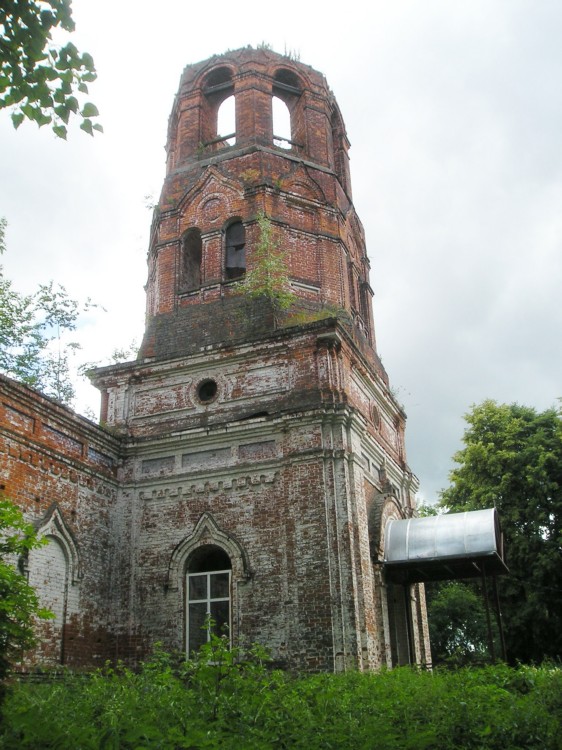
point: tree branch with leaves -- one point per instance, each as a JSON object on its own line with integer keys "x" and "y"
{"x": 34, "y": 328}
{"x": 19, "y": 604}
{"x": 40, "y": 80}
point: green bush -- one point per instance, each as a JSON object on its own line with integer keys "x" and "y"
{"x": 234, "y": 701}
{"x": 19, "y": 604}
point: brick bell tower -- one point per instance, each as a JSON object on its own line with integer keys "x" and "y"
{"x": 262, "y": 456}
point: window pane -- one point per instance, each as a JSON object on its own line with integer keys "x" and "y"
{"x": 197, "y": 629}
{"x": 197, "y": 587}
{"x": 219, "y": 585}
{"x": 220, "y": 613}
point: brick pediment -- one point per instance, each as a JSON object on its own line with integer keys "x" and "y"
{"x": 208, "y": 198}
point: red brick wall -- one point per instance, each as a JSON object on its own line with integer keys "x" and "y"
{"x": 52, "y": 460}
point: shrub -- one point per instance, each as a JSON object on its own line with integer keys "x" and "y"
{"x": 234, "y": 701}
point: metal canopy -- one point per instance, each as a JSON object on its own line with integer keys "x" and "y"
{"x": 453, "y": 545}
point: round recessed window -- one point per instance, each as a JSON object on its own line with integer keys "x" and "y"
{"x": 207, "y": 391}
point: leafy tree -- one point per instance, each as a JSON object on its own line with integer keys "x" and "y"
{"x": 39, "y": 80}
{"x": 457, "y": 623}
{"x": 33, "y": 329}
{"x": 268, "y": 277}
{"x": 19, "y": 605}
{"x": 512, "y": 460}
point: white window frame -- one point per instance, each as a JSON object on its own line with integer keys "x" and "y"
{"x": 208, "y": 601}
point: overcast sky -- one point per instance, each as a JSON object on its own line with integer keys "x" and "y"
{"x": 454, "y": 113}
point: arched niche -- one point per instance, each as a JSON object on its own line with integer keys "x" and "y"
{"x": 190, "y": 260}
{"x": 54, "y": 526}
{"x": 54, "y": 571}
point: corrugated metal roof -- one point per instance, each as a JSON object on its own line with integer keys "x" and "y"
{"x": 452, "y": 545}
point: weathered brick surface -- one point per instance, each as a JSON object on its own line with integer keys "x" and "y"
{"x": 305, "y": 190}
{"x": 63, "y": 472}
{"x": 292, "y": 462}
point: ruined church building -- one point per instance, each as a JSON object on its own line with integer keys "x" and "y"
{"x": 248, "y": 463}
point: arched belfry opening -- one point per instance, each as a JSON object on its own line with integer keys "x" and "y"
{"x": 288, "y": 129}
{"x": 226, "y": 122}
{"x": 281, "y": 123}
{"x": 218, "y": 125}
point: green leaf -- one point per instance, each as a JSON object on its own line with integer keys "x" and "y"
{"x": 72, "y": 103}
{"x": 59, "y": 96}
{"x": 63, "y": 112}
{"x": 89, "y": 110}
{"x": 60, "y": 131}
{"x": 29, "y": 111}
{"x": 88, "y": 61}
{"x": 47, "y": 19}
{"x": 43, "y": 119}
{"x": 87, "y": 126}
{"x": 17, "y": 119}
{"x": 98, "y": 127}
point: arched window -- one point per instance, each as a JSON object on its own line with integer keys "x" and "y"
{"x": 226, "y": 121}
{"x": 209, "y": 573}
{"x": 191, "y": 253}
{"x": 235, "y": 256}
{"x": 281, "y": 123}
